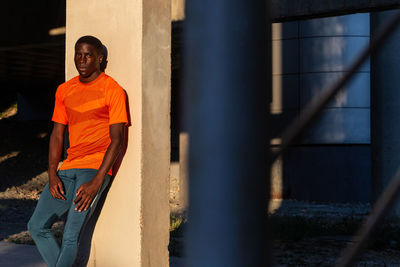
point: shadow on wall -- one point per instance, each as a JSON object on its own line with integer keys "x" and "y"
{"x": 23, "y": 143}
{"x": 23, "y": 151}
{"x": 23, "y": 166}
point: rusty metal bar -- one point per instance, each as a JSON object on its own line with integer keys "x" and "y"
{"x": 318, "y": 103}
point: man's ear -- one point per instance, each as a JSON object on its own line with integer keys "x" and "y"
{"x": 101, "y": 58}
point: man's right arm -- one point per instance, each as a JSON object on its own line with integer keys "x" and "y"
{"x": 55, "y": 149}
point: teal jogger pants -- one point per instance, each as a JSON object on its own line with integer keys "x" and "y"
{"x": 49, "y": 210}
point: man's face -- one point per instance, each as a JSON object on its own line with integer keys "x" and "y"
{"x": 87, "y": 61}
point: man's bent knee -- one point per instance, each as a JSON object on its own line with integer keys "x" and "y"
{"x": 33, "y": 228}
{"x": 36, "y": 227}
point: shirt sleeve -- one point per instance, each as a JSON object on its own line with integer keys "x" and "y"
{"x": 60, "y": 113}
{"x": 116, "y": 102}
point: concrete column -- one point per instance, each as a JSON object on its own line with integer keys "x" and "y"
{"x": 133, "y": 227}
{"x": 385, "y": 109}
{"x": 183, "y": 171}
{"x": 227, "y": 106}
{"x": 177, "y": 10}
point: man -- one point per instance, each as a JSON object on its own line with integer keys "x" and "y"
{"x": 93, "y": 106}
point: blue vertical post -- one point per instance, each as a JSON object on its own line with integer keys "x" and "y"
{"x": 227, "y": 83}
{"x": 385, "y": 109}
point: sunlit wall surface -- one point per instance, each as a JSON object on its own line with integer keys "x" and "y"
{"x": 331, "y": 162}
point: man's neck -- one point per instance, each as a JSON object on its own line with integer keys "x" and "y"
{"x": 90, "y": 78}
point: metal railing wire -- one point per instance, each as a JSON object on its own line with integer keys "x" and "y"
{"x": 313, "y": 111}
{"x": 381, "y": 207}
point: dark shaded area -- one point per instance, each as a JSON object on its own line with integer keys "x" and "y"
{"x": 298, "y": 228}
{"x": 176, "y": 87}
{"x": 14, "y": 215}
{"x": 36, "y": 102}
{"x": 8, "y": 98}
{"x": 23, "y": 150}
{"x": 29, "y": 22}
{"x": 176, "y": 237}
{"x": 327, "y": 173}
{"x": 29, "y": 55}
{"x": 31, "y": 60}
{"x": 29, "y": 139}
{"x": 31, "y": 67}
{"x": 321, "y": 231}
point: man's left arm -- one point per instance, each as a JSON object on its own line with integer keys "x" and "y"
{"x": 86, "y": 192}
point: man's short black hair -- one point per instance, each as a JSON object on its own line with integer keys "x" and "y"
{"x": 88, "y": 39}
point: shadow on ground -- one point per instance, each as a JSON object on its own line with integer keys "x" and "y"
{"x": 23, "y": 151}
{"x": 23, "y": 165}
{"x": 14, "y": 215}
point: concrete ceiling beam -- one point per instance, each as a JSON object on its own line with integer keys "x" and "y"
{"x": 288, "y": 10}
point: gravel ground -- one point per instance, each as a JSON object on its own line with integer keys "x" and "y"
{"x": 23, "y": 160}
{"x": 316, "y": 249}
{"x": 330, "y": 211}
{"x": 324, "y": 250}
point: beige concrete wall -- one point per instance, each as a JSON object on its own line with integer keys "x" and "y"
{"x": 177, "y": 10}
{"x": 184, "y": 171}
{"x": 132, "y": 229}
{"x": 156, "y": 82}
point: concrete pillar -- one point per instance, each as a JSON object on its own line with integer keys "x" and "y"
{"x": 385, "y": 108}
{"x": 183, "y": 171}
{"x": 177, "y": 10}
{"x": 133, "y": 227}
{"x": 227, "y": 106}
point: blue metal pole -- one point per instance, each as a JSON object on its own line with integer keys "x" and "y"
{"x": 227, "y": 84}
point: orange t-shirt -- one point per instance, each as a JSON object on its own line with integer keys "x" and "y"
{"x": 89, "y": 109}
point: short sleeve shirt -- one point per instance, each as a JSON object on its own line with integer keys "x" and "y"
{"x": 89, "y": 109}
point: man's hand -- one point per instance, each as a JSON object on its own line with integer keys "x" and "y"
{"x": 56, "y": 187}
{"x": 85, "y": 194}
